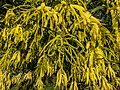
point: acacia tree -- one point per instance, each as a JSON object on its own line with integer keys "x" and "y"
{"x": 59, "y": 41}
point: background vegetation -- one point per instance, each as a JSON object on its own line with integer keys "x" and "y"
{"x": 59, "y": 44}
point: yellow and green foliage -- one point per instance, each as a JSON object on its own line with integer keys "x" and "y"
{"x": 63, "y": 43}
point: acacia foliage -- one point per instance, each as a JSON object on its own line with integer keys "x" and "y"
{"x": 64, "y": 42}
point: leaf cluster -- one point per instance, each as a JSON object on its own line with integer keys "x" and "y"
{"x": 60, "y": 43}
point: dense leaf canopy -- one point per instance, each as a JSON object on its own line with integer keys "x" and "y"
{"x": 59, "y": 44}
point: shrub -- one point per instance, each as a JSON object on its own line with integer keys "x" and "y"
{"x": 63, "y": 43}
